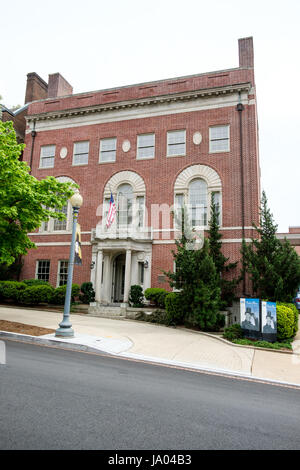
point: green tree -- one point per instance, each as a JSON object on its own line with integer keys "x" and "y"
{"x": 196, "y": 279}
{"x": 274, "y": 266}
{"x": 221, "y": 262}
{"x": 25, "y": 202}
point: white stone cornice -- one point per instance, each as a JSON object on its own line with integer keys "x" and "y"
{"x": 142, "y": 102}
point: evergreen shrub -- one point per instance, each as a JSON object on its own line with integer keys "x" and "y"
{"x": 136, "y": 296}
{"x": 233, "y": 332}
{"x": 296, "y": 314}
{"x": 174, "y": 310}
{"x": 156, "y": 295}
{"x": 285, "y": 322}
{"x": 9, "y": 290}
{"x": 88, "y": 293}
{"x": 34, "y": 295}
{"x": 35, "y": 282}
{"x": 59, "y": 294}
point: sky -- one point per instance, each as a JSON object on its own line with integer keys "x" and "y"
{"x": 98, "y": 44}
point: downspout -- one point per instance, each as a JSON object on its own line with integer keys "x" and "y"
{"x": 240, "y": 108}
{"x": 33, "y": 134}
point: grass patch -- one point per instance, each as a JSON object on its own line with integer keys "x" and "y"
{"x": 263, "y": 344}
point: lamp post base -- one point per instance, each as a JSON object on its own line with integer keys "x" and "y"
{"x": 64, "y": 333}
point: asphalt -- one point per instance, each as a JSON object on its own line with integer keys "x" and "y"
{"x": 57, "y": 399}
{"x": 160, "y": 344}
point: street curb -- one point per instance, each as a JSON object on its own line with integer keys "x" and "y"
{"x": 145, "y": 359}
{"x": 49, "y": 342}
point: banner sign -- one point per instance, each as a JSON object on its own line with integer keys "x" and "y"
{"x": 78, "y": 255}
{"x": 269, "y": 318}
{"x": 250, "y": 318}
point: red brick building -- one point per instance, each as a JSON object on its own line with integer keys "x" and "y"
{"x": 153, "y": 146}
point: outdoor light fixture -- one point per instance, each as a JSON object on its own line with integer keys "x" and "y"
{"x": 65, "y": 327}
{"x": 92, "y": 265}
{"x": 146, "y": 264}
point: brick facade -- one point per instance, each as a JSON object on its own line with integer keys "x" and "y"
{"x": 195, "y": 104}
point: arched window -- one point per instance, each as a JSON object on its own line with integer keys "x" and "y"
{"x": 195, "y": 188}
{"x": 124, "y": 205}
{"x": 198, "y": 202}
{"x": 128, "y": 189}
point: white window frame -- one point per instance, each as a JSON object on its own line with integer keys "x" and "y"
{"x": 51, "y": 221}
{"x": 219, "y": 139}
{"x": 37, "y": 268}
{"x": 169, "y": 133}
{"x": 101, "y": 151}
{"x": 47, "y": 156}
{"x": 58, "y": 271}
{"x": 75, "y": 154}
{"x": 139, "y": 146}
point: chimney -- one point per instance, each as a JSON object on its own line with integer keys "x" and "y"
{"x": 246, "y": 54}
{"x": 36, "y": 88}
{"x": 58, "y": 86}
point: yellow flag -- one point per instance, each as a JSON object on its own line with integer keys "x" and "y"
{"x": 78, "y": 255}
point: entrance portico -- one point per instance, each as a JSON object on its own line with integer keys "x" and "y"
{"x": 119, "y": 264}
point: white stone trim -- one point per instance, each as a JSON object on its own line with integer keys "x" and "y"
{"x": 137, "y": 112}
{"x": 59, "y": 243}
{"x": 184, "y": 178}
{"x": 130, "y": 177}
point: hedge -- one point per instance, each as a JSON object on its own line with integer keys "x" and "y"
{"x": 9, "y": 290}
{"x": 59, "y": 294}
{"x": 34, "y": 295}
{"x": 295, "y": 312}
{"x": 35, "y": 282}
{"x": 285, "y": 322}
{"x": 157, "y": 296}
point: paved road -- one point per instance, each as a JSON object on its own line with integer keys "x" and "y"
{"x": 57, "y": 399}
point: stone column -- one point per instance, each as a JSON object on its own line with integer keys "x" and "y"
{"x": 127, "y": 276}
{"x": 98, "y": 276}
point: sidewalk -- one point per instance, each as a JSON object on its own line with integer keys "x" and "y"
{"x": 155, "y": 343}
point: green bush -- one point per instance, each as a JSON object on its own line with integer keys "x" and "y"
{"x": 233, "y": 332}
{"x": 296, "y": 314}
{"x": 174, "y": 310}
{"x": 156, "y": 296}
{"x": 88, "y": 293}
{"x": 59, "y": 294}
{"x": 9, "y": 290}
{"x": 34, "y": 295}
{"x": 263, "y": 344}
{"x": 285, "y": 322}
{"x": 220, "y": 321}
{"x": 136, "y": 296}
{"x": 35, "y": 282}
{"x": 158, "y": 316}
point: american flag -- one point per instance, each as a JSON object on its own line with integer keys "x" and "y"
{"x": 111, "y": 211}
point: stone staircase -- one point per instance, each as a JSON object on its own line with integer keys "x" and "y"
{"x": 107, "y": 311}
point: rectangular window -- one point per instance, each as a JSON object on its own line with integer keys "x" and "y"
{"x": 63, "y": 273}
{"x": 145, "y": 146}
{"x": 179, "y": 205}
{"x": 61, "y": 224}
{"x": 81, "y": 153}
{"x": 219, "y": 139}
{"x": 140, "y": 208}
{"x": 108, "y": 150}
{"x": 141, "y": 268}
{"x": 217, "y": 200}
{"x": 47, "y": 156}
{"x": 43, "y": 270}
{"x": 176, "y": 143}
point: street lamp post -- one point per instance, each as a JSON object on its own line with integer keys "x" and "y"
{"x": 65, "y": 327}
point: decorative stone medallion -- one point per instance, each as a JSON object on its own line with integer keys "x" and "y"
{"x": 63, "y": 152}
{"x": 197, "y": 138}
{"x": 126, "y": 146}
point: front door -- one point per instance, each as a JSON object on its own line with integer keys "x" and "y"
{"x": 119, "y": 278}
